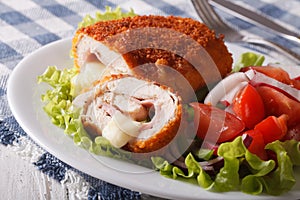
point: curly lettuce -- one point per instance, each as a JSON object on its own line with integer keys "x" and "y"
{"x": 109, "y": 14}
{"x": 261, "y": 176}
{"x": 58, "y": 99}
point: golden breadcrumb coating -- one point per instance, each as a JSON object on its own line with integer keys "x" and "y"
{"x": 174, "y": 41}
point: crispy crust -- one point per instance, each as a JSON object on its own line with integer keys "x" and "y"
{"x": 137, "y": 40}
{"x": 103, "y": 29}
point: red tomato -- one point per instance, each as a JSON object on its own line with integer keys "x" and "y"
{"x": 273, "y": 128}
{"x": 257, "y": 145}
{"x": 249, "y": 106}
{"x": 277, "y": 103}
{"x": 215, "y": 124}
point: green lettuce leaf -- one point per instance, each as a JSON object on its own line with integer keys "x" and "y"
{"x": 204, "y": 154}
{"x": 195, "y": 174}
{"x": 260, "y": 177}
{"x": 257, "y": 166}
{"x": 228, "y": 177}
{"x": 234, "y": 149}
{"x": 263, "y": 176}
{"x": 248, "y": 59}
{"x": 167, "y": 169}
{"x": 109, "y": 14}
{"x": 253, "y": 183}
{"x": 58, "y": 99}
{"x": 292, "y": 148}
{"x": 282, "y": 179}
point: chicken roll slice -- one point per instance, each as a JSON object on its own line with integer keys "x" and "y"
{"x": 134, "y": 114}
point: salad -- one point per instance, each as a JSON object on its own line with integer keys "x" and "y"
{"x": 248, "y": 128}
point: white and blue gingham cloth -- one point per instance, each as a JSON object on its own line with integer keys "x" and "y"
{"x": 28, "y": 25}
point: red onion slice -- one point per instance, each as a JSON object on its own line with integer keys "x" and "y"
{"x": 224, "y": 87}
{"x": 257, "y": 79}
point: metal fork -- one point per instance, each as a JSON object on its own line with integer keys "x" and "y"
{"x": 213, "y": 21}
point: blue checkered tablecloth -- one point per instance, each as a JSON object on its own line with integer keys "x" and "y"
{"x": 27, "y": 25}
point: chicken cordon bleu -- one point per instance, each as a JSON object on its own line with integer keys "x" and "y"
{"x": 156, "y": 47}
{"x": 132, "y": 113}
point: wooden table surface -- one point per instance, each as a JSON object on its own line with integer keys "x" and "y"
{"x": 24, "y": 181}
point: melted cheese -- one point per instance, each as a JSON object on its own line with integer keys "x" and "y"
{"x": 91, "y": 72}
{"x": 121, "y": 129}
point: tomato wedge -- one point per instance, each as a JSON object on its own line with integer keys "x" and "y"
{"x": 276, "y": 103}
{"x": 273, "y": 128}
{"x": 249, "y": 106}
{"x": 214, "y": 124}
{"x": 257, "y": 145}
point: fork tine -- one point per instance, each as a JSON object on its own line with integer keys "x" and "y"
{"x": 208, "y": 14}
{"x": 213, "y": 21}
{"x": 200, "y": 11}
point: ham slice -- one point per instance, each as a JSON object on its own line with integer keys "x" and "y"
{"x": 132, "y": 113}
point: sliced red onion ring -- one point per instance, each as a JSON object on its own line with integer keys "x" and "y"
{"x": 257, "y": 79}
{"x": 224, "y": 88}
{"x": 212, "y": 167}
{"x": 229, "y": 96}
{"x": 247, "y": 140}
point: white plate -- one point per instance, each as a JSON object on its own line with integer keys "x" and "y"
{"x": 24, "y": 99}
